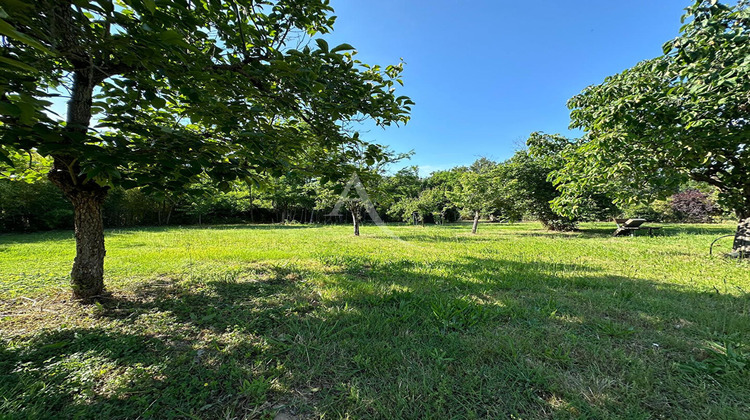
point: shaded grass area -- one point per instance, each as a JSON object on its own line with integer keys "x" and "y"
{"x": 246, "y": 322}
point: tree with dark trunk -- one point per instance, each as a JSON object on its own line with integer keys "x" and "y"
{"x": 178, "y": 93}
{"x": 87, "y": 196}
{"x": 87, "y": 199}
{"x": 356, "y": 207}
{"x": 356, "y": 220}
{"x": 741, "y": 246}
{"x": 358, "y": 194}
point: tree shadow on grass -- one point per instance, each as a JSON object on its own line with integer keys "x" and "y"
{"x": 173, "y": 228}
{"x": 170, "y": 349}
{"x": 666, "y": 230}
{"x": 480, "y": 337}
{"x": 269, "y": 226}
{"x": 571, "y": 328}
{"x": 36, "y": 237}
{"x": 459, "y": 237}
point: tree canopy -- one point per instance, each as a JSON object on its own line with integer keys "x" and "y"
{"x": 162, "y": 93}
{"x": 525, "y": 189}
{"x": 182, "y": 88}
{"x": 682, "y": 115}
{"x": 475, "y": 191}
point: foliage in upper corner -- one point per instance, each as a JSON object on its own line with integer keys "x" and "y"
{"x": 679, "y": 116}
{"x": 189, "y": 88}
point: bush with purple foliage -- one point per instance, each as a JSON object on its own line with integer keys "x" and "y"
{"x": 693, "y": 206}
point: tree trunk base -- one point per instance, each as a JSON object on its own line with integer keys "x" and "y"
{"x": 741, "y": 247}
{"x": 356, "y": 225}
{"x": 87, "y": 275}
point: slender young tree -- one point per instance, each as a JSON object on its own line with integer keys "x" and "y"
{"x": 359, "y": 190}
{"x": 474, "y": 191}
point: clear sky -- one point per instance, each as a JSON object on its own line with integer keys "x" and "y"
{"x": 486, "y": 73}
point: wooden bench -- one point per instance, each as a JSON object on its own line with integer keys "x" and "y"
{"x": 631, "y": 225}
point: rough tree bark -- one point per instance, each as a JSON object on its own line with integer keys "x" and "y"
{"x": 742, "y": 239}
{"x": 476, "y": 222}
{"x": 87, "y": 275}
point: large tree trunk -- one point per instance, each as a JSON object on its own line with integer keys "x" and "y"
{"x": 476, "y": 222}
{"x": 742, "y": 239}
{"x": 87, "y": 275}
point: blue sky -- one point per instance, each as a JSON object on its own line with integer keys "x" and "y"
{"x": 486, "y": 73}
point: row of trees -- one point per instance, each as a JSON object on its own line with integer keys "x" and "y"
{"x": 518, "y": 188}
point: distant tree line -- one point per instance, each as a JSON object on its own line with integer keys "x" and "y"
{"x": 512, "y": 190}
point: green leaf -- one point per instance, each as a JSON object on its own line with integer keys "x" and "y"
{"x": 4, "y": 157}
{"x": 8, "y": 30}
{"x": 18, "y": 64}
{"x": 150, "y": 5}
{"x": 342, "y": 47}
{"x": 7, "y": 108}
{"x": 158, "y": 103}
{"x": 170, "y": 36}
{"x": 322, "y": 44}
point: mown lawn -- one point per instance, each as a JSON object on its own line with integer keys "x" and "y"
{"x": 253, "y": 321}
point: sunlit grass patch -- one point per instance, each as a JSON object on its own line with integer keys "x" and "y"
{"x": 249, "y": 321}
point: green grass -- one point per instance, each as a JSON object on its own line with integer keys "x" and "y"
{"x": 251, "y": 321}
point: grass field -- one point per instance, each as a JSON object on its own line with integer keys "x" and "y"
{"x": 253, "y": 321}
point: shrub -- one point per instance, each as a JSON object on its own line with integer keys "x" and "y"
{"x": 657, "y": 211}
{"x": 31, "y": 206}
{"x": 693, "y": 206}
{"x": 559, "y": 224}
